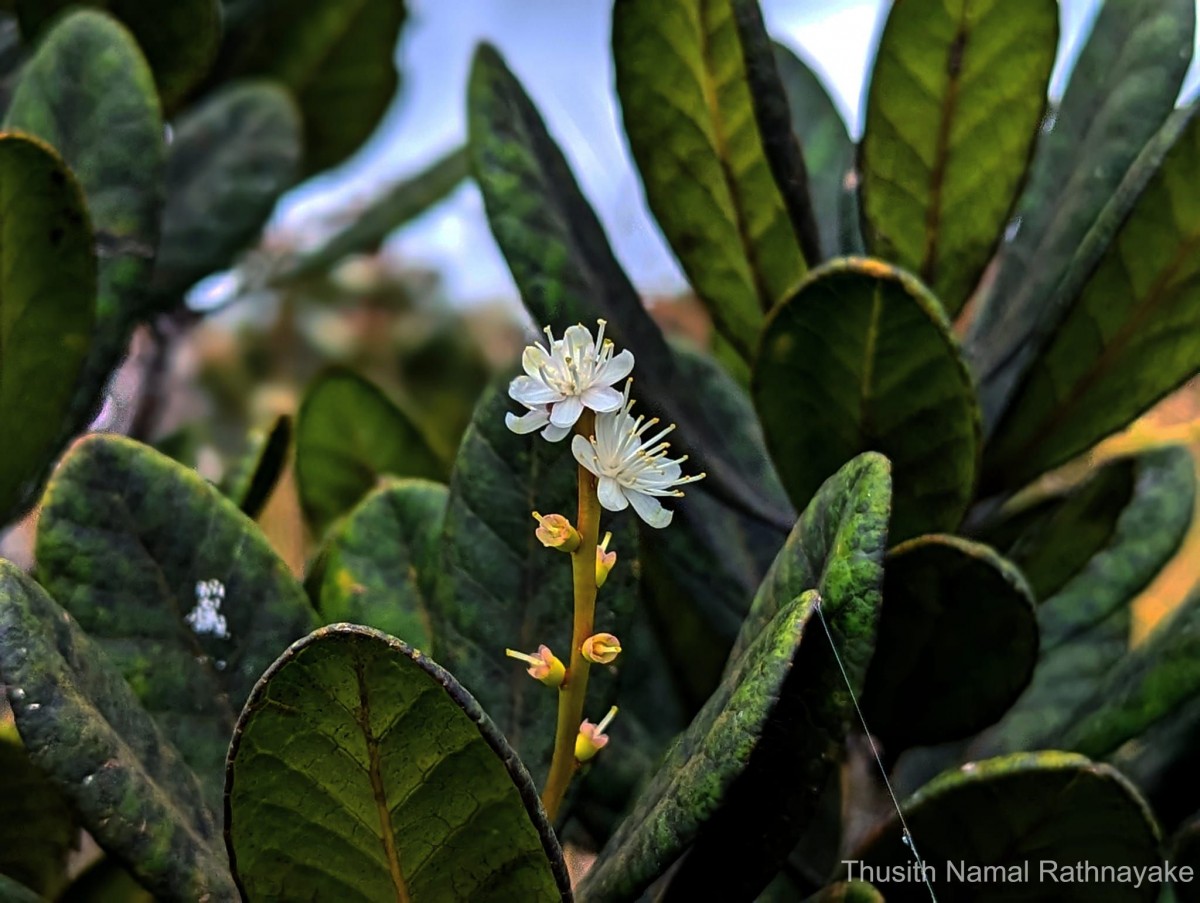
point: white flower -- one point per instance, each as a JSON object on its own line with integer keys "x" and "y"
{"x": 632, "y": 470}
{"x": 574, "y": 373}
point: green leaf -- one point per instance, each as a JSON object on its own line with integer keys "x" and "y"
{"x": 86, "y": 729}
{"x": 381, "y": 561}
{"x": 1085, "y": 626}
{"x": 47, "y": 311}
{"x": 395, "y": 206}
{"x": 257, "y": 474}
{"x": 1052, "y": 537}
{"x": 178, "y": 587}
{"x": 957, "y": 93}
{"x": 1186, "y": 852}
{"x": 499, "y": 588}
{"x": 1128, "y": 339}
{"x": 105, "y": 881}
{"x": 89, "y": 92}
{"x": 1030, "y": 808}
{"x": 348, "y": 436}
{"x": 1121, "y": 90}
{"x": 566, "y": 271}
{"x": 233, "y": 155}
{"x": 37, "y": 829}
{"x": 179, "y": 38}
{"x": 15, "y": 892}
{"x": 682, "y": 74}
{"x": 363, "y": 771}
{"x": 949, "y": 601}
{"x": 862, "y": 358}
{"x": 847, "y": 892}
{"x": 336, "y": 57}
{"x": 745, "y": 779}
{"x": 829, "y": 155}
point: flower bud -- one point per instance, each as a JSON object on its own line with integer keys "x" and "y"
{"x": 601, "y": 648}
{"x": 592, "y": 738}
{"x": 605, "y": 560}
{"x": 543, "y": 665}
{"x": 555, "y": 532}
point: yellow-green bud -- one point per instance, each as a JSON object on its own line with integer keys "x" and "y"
{"x": 605, "y": 560}
{"x": 592, "y": 738}
{"x": 544, "y": 665}
{"x": 555, "y": 532}
{"x": 601, "y": 648}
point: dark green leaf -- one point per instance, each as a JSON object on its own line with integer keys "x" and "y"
{"x": 847, "y": 892}
{"x": 251, "y": 485}
{"x": 178, "y": 587}
{"x": 499, "y": 588}
{"x": 349, "y": 435}
{"x": 682, "y": 76}
{"x": 363, "y": 771}
{"x": 566, "y": 271}
{"x": 1186, "y": 852}
{"x": 233, "y": 155}
{"x": 336, "y": 57}
{"x": 15, "y": 892}
{"x": 395, "y": 206}
{"x": 862, "y": 358}
{"x": 381, "y": 561}
{"x": 1085, "y": 626}
{"x": 1121, "y": 90}
{"x": 958, "y": 90}
{"x": 105, "y": 881}
{"x": 89, "y": 93}
{"x": 1059, "y": 532}
{"x": 47, "y": 310}
{"x": 179, "y": 38}
{"x": 746, "y": 778}
{"x": 959, "y": 628}
{"x": 37, "y": 829}
{"x": 1030, "y": 808}
{"x": 829, "y": 155}
{"x": 85, "y": 727}
{"x": 1128, "y": 339}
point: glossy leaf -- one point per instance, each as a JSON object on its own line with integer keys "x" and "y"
{"x": 47, "y": 309}
{"x": 959, "y": 627}
{"x": 349, "y": 435}
{"x": 682, "y": 75}
{"x": 1028, "y": 808}
{"x": 829, "y": 155}
{"x": 395, "y": 206}
{"x": 862, "y": 358}
{"x": 1122, "y": 88}
{"x": 177, "y": 586}
{"x": 89, "y": 92}
{"x": 335, "y": 56}
{"x": 363, "y": 771}
{"x": 956, "y": 96}
{"x": 84, "y": 726}
{"x": 1128, "y": 339}
{"x": 255, "y": 477}
{"x": 15, "y": 892}
{"x": 745, "y": 779}
{"x": 179, "y": 39}
{"x": 499, "y": 588}
{"x": 232, "y": 156}
{"x": 381, "y": 561}
{"x": 37, "y": 829}
{"x": 566, "y": 271}
{"x": 1085, "y": 625}
{"x": 1057, "y": 534}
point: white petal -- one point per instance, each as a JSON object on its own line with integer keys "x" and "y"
{"x": 617, "y": 368}
{"x": 612, "y": 496}
{"x": 584, "y": 453}
{"x": 554, "y": 433}
{"x": 527, "y": 422}
{"x": 567, "y": 411}
{"x": 578, "y": 337}
{"x": 531, "y": 392}
{"x": 649, "y": 509}
{"x": 602, "y": 399}
{"x": 607, "y": 437}
{"x": 533, "y": 359}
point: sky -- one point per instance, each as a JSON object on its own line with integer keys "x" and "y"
{"x": 560, "y": 51}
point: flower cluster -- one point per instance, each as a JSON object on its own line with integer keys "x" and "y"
{"x": 576, "y": 373}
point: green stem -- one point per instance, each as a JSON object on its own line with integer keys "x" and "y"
{"x": 572, "y": 693}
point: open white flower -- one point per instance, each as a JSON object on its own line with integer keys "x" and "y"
{"x": 574, "y": 373}
{"x": 632, "y": 470}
